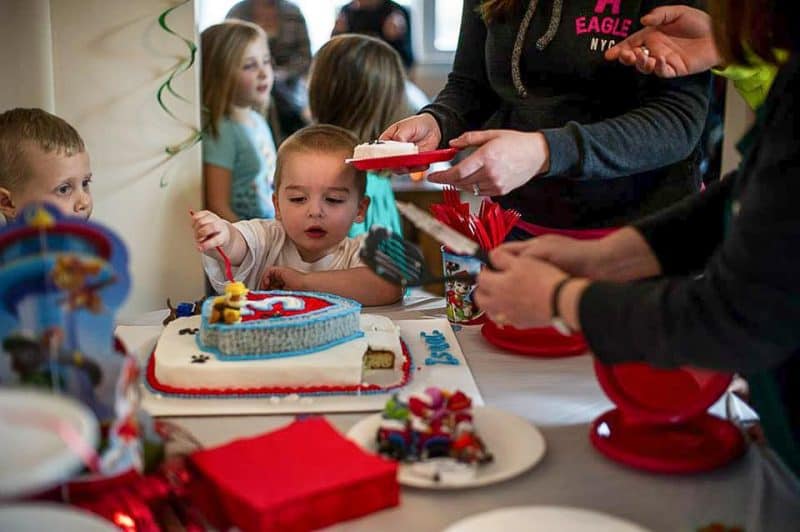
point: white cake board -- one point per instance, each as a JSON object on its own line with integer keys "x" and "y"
{"x": 452, "y": 377}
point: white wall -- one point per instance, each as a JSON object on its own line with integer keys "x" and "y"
{"x": 106, "y": 60}
{"x": 738, "y": 119}
{"x": 25, "y": 54}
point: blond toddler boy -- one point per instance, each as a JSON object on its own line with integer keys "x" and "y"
{"x": 317, "y": 198}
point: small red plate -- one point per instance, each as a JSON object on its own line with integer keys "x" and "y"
{"x": 538, "y": 342}
{"x": 404, "y": 161}
{"x": 700, "y": 444}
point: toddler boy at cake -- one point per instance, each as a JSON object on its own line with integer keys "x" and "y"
{"x": 42, "y": 158}
{"x": 317, "y": 198}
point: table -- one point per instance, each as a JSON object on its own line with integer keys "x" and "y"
{"x": 560, "y": 396}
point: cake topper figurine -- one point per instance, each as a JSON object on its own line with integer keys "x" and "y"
{"x": 227, "y": 308}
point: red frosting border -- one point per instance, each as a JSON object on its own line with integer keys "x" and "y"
{"x": 158, "y": 386}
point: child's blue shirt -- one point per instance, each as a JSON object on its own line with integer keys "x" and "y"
{"x": 382, "y": 210}
{"x": 249, "y": 153}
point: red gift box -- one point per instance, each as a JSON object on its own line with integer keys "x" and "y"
{"x": 301, "y": 477}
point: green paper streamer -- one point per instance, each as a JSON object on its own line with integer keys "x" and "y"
{"x": 180, "y": 68}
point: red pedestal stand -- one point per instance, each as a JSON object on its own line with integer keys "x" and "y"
{"x": 660, "y": 423}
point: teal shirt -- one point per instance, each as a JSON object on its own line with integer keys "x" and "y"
{"x": 249, "y": 153}
{"x": 382, "y": 210}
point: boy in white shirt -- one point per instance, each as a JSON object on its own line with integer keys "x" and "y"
{"x": 317, "y": 198}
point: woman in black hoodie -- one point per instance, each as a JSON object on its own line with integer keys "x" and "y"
{"x": 594, "y": 144}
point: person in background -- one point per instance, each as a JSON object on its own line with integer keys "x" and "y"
{"x": 570, "y": 141}
{"x": 287, "y": 33}
{"x": 42, "y": 158}
{"x": 357, "y": 82}
{"x": 711, "y": 281}
{"x": 238, "y": 148}
{"x": 317, "y": 198}
{"x": 383, "y": 19}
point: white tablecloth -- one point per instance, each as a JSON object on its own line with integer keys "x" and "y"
{"x": 560, "y": 396}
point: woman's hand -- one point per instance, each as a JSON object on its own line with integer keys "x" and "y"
{"x": 210, "y": 231}
{"x": 624, "y": 255}
{"x": 579, "y": 258}
{"x": 518, "y": 293}
{"x": 421, "y": 129}
{"x": 676, "y": 41}
{"x": 505, "y": 160}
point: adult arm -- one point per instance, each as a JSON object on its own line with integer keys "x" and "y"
{"x": 678, "y": 41}
{"x": 685, "y": 235}
{"x": 742, "y": 314}
{"x": 663, "y": 129}
{"x": 467, "y": 99}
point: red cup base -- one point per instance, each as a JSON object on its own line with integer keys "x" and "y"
{"x": 702, "y": 443}
{"x": 543, "y": 342}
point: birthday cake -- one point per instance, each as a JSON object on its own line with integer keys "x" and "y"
{"x": 251, "y": 343}
{"x": 384, "y": 148}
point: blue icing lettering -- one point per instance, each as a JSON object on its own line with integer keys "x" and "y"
{"x": 438, "y": 346}
{"x": 435, "y": 334}
{"x": 442, "y": 357}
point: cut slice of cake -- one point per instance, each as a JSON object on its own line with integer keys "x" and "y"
{"x": 384, "y": 148}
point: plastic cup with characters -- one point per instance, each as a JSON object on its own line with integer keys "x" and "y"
{"x": 458, "y": 292}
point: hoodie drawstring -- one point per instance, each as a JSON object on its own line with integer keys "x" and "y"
{"x": 541, "y": 43}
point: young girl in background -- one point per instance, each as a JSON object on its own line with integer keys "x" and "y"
{"x": 238, "y": 148}
{"x": 358, "y": 83}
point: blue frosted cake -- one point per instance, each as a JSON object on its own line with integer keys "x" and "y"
{"x": 281, "y": 323}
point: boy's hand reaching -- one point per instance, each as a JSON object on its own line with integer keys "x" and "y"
{"x": 210, "y": 231}
{"x": 281, "y": 278}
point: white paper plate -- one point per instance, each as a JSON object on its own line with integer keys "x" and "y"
{"x": 35, "y": 457}
{"x": 515, "y": 443}
{"x": 544, "y": 518}
{"x": 35, "y": 517}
